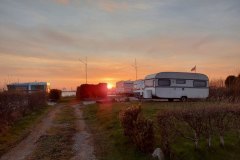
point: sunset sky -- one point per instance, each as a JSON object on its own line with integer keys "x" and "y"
{"x": 42, "y": 40}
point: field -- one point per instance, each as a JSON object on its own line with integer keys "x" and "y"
{"x": 110, "y": 143}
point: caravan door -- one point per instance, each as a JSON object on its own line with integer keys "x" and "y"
{"x": 180, "y": 92}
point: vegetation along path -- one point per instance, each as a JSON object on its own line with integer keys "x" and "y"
{"x": 27, "y": 145}
{"x": 61, "y": 134}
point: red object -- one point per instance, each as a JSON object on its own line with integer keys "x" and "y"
{"x": 91, "y": 91}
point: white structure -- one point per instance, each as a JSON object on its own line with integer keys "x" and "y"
{"x": 124, "y": 87}
{"x": 176, "y": 85}
{"x": 138, "y": 88}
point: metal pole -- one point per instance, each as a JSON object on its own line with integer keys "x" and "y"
{"x": 136, "y": 67}
{"x": 85, "y": 62}
{"x": 86, "y": 70}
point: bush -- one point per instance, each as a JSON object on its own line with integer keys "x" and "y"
{"x": 143, "y": 136}
{"x": 226, "y": 91}
{"x": 55, "y": 95}
{"x": 167, "y": 129}
{"x": 14, "y": 105}
{"x": 37, "y": 99}
{"x": 127, "y": 118}
{"x": 138, "y": 129}
{"x": 197, "y": 123}
{"x": 230, "y": 81}
{"x": 230, "y": 95}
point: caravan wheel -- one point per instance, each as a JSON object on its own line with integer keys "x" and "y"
{"x": 183, "y": 99}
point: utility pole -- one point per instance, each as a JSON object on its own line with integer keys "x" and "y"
{"x": 136, "y": 68}
{"x": 86, "y": 65}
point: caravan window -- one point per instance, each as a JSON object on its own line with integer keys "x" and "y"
{"x": 164, "y": 82}
{"x": 198, "y": 83}
{"x": 149, "y": 83}
{"x": 180, "y": 81}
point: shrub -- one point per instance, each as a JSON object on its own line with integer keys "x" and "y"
{"x": 127, "y": 118}
{"x": 55, "y": 95}
{"x": 37, "y": 99}
{"x": 14, "y": 105}
{"x": 166, "y": 122}
{"x": 236, "y": 120}
{"x": 197, "y": 123}
{"x": 143, "y": 136}
{"x": 227, "y": 92}
{"x": 138, "y": 129}
{"x": 230, "y": 81}
{"x": 194, "y": 119}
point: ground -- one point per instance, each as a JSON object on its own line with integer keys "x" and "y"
{"x": 70, "y": 130}
{"x": 60, "y": 134}
{"x": 110, "y": 143}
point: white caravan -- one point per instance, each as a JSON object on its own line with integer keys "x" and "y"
{"x": 176, "y": 85}
{"x": 124, "y": 87}
{"x": 138, "y": 88}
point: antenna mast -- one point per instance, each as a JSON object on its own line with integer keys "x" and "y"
{"x": 86, "y": 65}
{"x": 136, "y": 68}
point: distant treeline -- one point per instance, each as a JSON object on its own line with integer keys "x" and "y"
{"x": 228, "y": 90}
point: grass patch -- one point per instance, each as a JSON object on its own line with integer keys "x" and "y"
{"x": 110, "y": 143}
{"x": 21, "y": 129}
{"x": 57, "y": 144}
{"x": 67, "y": 99}
{"x": 107, "y": 132}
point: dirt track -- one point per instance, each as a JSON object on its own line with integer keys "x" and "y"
{"x": 83, "y": 146}
{"x": 27, "y": 145}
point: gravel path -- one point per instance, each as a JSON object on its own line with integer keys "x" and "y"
{"x": 27, "y": 145}
{"x": 83, "y": 145}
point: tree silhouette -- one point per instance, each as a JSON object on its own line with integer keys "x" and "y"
{"x": 230, "y": 81}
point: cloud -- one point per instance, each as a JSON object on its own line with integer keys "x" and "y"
{"x": 64, "y": 2}
{"x": 110, "y": 6}
{"x": 115, "y": 6}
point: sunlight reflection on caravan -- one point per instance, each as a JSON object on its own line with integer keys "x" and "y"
{"x": 176, "y": 85}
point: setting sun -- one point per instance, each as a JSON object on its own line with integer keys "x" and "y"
{"x": 109, "y": 86}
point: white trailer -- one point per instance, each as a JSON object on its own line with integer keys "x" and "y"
{"x": 124, "y": 88}
{"x": 138, "y": 88}
{"x": 176, "y": 85}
